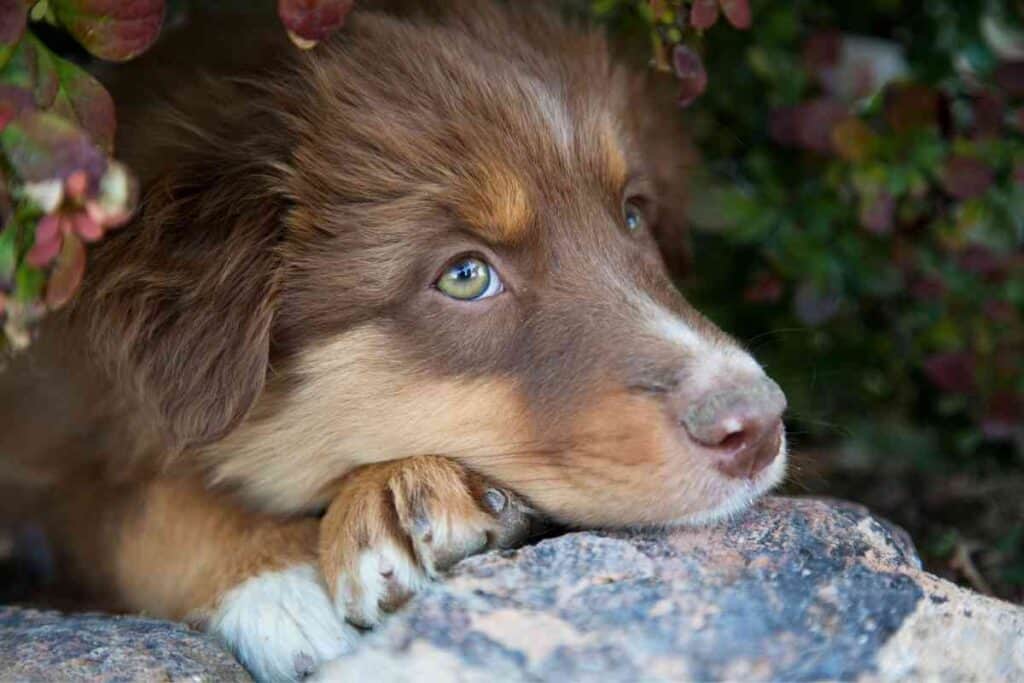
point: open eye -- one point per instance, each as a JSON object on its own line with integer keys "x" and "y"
{"x": 633, "y": 216}
{"x": 470, "y": 279}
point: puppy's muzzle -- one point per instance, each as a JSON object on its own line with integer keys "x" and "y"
{"x": 738, "y": 426}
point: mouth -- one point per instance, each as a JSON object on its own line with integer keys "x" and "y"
{"x": 745, "y": 493}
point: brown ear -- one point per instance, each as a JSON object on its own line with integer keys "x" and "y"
{"x": 178, "y": 306}
{"x": 670, "y": 156}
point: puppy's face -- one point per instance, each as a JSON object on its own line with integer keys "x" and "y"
{"x": 469, "y": 267}
{"x": 474, "y": 272}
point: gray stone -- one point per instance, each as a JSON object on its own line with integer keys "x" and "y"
{"x": 49, "y": 646}
{"x": 794, "y": 589}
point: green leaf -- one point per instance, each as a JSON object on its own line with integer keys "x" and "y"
{"x": 82, "y": 98}
{"x": 32, "y": 67}
{"x": 35, "y": 78}
{"x": 8, "y": 254}
{"x": 28, "y": 283}
{"x": 111, "y": 29}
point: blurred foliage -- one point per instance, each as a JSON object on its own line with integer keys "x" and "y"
{"x": 60, "y": 188}
{"x": 859, "y": 216}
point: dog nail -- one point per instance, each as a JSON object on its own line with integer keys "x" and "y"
{"x": 495, "y": 500}
{"x": 386, "y": 570}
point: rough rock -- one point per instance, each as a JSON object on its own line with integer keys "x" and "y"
{"x": 794, "y": 589}
{"x": 49, "y": 646}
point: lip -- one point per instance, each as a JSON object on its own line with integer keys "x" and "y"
{"x": 745, "y": 491}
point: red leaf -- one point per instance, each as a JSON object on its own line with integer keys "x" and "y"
{"x": 809, "y": 125}
{"x": 952, "y": 372}
{"x": 1000, "y": 311}
{"x": 111, "y": 29}
{"x": 989, "y": 113}
{"x": 48, "y": 228}
{"x": 966, "y": 177}
{"x": 13, "y": 101}
{"x": 1018, "y": 174}
{"x": 704, "y": 14}
{"x": 313, "y": 20}
{"x": 737, "y": 12}
{"x": 928, "y": 289}
{"x": 911, "y": 106}
{"x": 818, "y": 119}
{"x": 1003, "y": 416}
{"x": 766, "y": 288}
{"x": 13, "y": 17}
{"x": 86, "y": 228}
{"x": 1010, "y": 77}
{"x": 984, "y": 262}
{"x": 691, "y": 74}
{"x": 67, "y": 273}
{"x": 822, "y": 50}
{"x": 44, "y": 251}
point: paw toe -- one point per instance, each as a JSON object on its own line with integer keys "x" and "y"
{"x": 380, "y": 581}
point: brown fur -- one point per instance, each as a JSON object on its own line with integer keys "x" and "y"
{"x": 263, "y": 341}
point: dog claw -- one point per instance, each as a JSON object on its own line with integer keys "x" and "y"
{"x": 495, "y": 500}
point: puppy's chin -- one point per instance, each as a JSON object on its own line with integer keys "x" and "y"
{"x": 744, "y": 493}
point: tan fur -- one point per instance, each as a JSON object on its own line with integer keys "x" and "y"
{"x": 497, "y": 205}
{"x": 324, "y": 424}
{"x": 386, "y": 504}
{"x": 225, "y": 545}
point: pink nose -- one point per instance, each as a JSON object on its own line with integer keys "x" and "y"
{"x": 740, "y": 425}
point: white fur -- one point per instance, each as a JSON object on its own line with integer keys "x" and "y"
{"x": 717, "y": 361}
{"x": 281, "y": 625}
{"x": 671, "y": 327}
{"x": 359, "y": 596}
{"x": 552, "y": 111}
{"x": 747, "y": 491}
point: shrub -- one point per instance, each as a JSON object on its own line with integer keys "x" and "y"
{"x": 862, "y": 202}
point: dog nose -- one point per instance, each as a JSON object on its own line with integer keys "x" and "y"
{"x": 741, "y": 425}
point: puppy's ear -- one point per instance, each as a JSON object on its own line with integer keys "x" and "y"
{"x": 670, "y": 157}
{"x": 178, "y": 306}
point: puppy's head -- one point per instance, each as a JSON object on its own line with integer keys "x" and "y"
{"x": 440, "y": 236}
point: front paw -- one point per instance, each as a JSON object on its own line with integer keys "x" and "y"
{"x": 281, "y": 624}
{"x": 393, "y": 526}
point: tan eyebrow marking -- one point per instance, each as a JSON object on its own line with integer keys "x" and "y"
{"x": 614, "y": 167}
{"x": 496, "y": 204}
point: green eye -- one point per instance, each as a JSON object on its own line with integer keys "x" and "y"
{"x": 470, "y": 279}
{"x": 633, "y": 217}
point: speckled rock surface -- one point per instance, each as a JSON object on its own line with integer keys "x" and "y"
{"x": 49, "y": 646}
{"x": 792, "y": 590}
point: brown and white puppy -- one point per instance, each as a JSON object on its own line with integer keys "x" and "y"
{"x": 397, "y": 278}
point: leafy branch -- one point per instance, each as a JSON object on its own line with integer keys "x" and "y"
{"x": 60, "y": 187}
